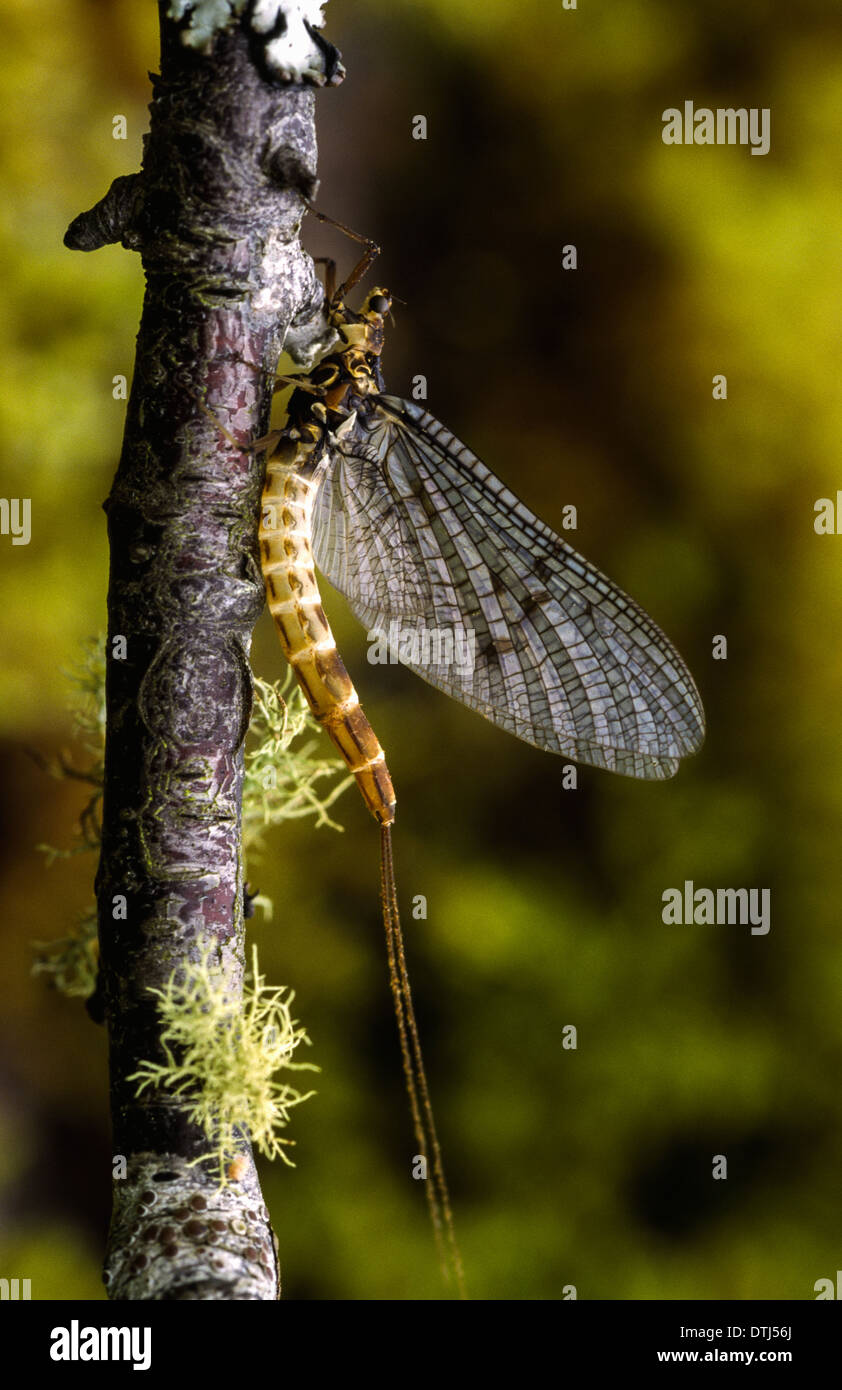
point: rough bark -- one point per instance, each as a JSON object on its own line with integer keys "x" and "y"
{"x": 214, "y": 214}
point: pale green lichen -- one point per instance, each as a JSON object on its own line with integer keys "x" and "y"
{"x": 69, "y": 964}
{"x": 87, "y": 708}
{"x": 222, "y": 1056}
{"x": 285, "y": 779}
{"x": 281, "y": 780}
{"x": 205, "y": 18}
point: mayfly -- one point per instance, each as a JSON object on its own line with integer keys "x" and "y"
{"x": 420, "y": 536}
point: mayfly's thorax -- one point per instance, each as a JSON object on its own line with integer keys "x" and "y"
{"x": 365, "y": 335}
{"x": 362, "y": 370}
{"x": 354, "y": 370}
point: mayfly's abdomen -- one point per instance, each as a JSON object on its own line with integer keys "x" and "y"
{"x": 286, "y": 558}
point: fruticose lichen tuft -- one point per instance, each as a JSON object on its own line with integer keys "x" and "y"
{"x": 280, "y": 781}
{"x": 87, "y": 708}
{"x": 222, "y": 1055}
{"x": 70, "y": 963}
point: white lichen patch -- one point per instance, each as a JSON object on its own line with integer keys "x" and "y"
{"x": 279, "y": 260}
{"x": 222, "y": 1056}
{"x": 292, "y": 55}
{"x": 287, "y": 274}
{"x": 207, "y": 18}
{"x": 290, "y": 52}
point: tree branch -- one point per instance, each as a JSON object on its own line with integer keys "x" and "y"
{"x": 214, "y": 214}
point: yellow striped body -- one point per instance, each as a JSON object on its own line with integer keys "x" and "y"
{"x": 286, "y": 558}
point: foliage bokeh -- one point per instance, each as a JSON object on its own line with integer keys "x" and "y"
{"x": 589, "y": 1167}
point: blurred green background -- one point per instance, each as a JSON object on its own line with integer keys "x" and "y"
{"x": 589, "y": 1167}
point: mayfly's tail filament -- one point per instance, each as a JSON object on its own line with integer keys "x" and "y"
{"x": 438, "y": 1197}
{"x": 286, "y": 555}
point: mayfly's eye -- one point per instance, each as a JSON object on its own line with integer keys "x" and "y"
{"x": 379, "y": 304}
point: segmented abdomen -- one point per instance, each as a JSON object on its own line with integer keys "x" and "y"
{"x": 286, "y": 558}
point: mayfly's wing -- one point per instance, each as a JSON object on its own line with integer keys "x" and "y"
{"x": 483, "y": 600}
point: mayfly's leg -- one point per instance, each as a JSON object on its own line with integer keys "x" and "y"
{"x": 302, "y": 382}
{"x": 206, "y": 410}
{"x": 360, "y": 269}
{"x": 257, "y": 447}
{"x": 268, "y": 441}
{"x": 372, "y": 251}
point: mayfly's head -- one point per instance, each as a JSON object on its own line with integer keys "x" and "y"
{"x": 377, "y": 305}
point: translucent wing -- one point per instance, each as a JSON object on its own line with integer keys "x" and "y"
{"x": 483, "y": 600}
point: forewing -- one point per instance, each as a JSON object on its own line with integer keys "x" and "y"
{"x": 485, "y": 602}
